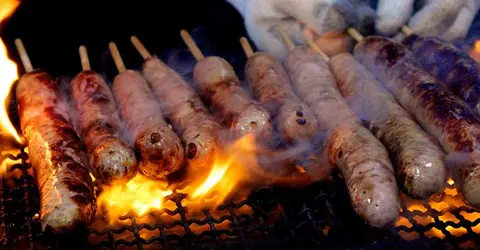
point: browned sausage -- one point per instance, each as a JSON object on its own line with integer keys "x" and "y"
{"x": 441, "y": 113}
{"x": 57, "y": 155}
{"x": 362, "y": 159}
{"x": 189, "y": 116}
{"x": 160, "y": 148}
{"x": 220, "y": 88}
{"x": 271, "y": 86}
{"x": 111, "y": 158}
{"x": 417, "y": 156}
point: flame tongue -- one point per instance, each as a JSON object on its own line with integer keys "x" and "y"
{"x": 8, "y": 73}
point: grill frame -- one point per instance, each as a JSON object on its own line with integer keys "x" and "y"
{"x": 301, "y": 217}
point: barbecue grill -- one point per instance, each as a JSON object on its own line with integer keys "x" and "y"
{"x": 316, "y": 216}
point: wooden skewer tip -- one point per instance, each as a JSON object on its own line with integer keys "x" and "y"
{"x": 406, "y": 30}
{"x": 140, "y": 47}
{"x": 192, "y": 46}
{"x": 117, "y": 58}
{"x": 285, "y": 38}
{"x": 27, "y": 64}
{"x": 355, "y": 34}
{"x": 84, "y": 58}
{"x": 247, "y": 48}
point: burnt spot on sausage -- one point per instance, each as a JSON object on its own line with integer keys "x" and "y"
{"x": 155, "y": 137}
{"x": 46, "y": 80}
{"x": 340, "y": 154}
{"x": 299, "y": 113}
{"x": 253, "y": 124}
{"x": 83, "y": 199}
{"x": 191, "y": 150}
{"x": 390, "y": 54}
{"x": 301, "y": 121}
{"x": 99, "y": 126}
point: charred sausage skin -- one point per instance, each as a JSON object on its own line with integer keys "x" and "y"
{"x": 160, "y": 148}
{"x": 416, "y": 155}
{"x": 362, "y": 159}
{"x": 67, "y": 200}
{"x": 448, "y": 64}
{"x": 270, "y": 83}
{"x": 440, "y": 112}
{"x": 111, "y": 159}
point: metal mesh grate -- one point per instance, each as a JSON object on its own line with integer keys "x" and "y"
{"x": 318, "y": 216}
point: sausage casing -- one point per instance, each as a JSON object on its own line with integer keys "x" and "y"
{"x": 199, "y": 132}
{"x": 111, "y": 158}
{"x": 441, "y": 113}
{"x": 220, "y": 88}
{"x": 417, "y": 156}
{"x": 449, "y": 64}
{"x": 160, "y": 148}
{"x": 57, "y": 155}
{"x": 362, "y": 159}
{"x": 271, "y": 86}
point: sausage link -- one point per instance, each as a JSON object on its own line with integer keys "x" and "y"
{"x": 434, "y": 106}
{"x": 271, "y": 86}
{"x": 449, "y": 64}
{"x": 160, "y": 148}
{"x": 199, "y": 132}
{"x": 220, "y": 88}
{"x": 67, "y": 200}
{"x": 111, "y": 159}
{"x": 418, "y": 157}
{"x": 362, "y": 159}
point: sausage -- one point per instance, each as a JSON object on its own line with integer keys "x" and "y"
{"x": 111, "y": 158}
{"x": 418, "y": 157}
{"x": 362, "y": 159}
{"x": 271, "y": 86}
{"x": 198, "y": 130}
{"x": 160, "y": 148}
{"x": 450, "y": 65}
{"x": 441, "y": 113}
{"x": 67, "y": 200}
{"x": 220, "y": 88}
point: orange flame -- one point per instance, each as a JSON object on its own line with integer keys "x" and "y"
{"x": 8, "y": 73}
{"x": 141, "y": 196}
{"x": 475, "y": 52}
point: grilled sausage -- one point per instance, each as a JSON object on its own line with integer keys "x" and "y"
{"x": 271, "y": 86}
{"x": 220, "y": 87}
{"x": 362, "y": 159}
{"x": 450, "y": 65}
{"x": 418, "y": 157}
{"x": 57, "y": 155}
{"x": 435, "y": 107}
{"x": 189, "y": 116}
{"x": 160, "y": 148}
{"x": 111, "y": 158}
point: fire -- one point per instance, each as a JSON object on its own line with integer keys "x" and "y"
{"x": 475, "y": 52}
{"x": 443, "y": 206}
{"x": 8, "y": 73}
{"x": 142, "y": 196}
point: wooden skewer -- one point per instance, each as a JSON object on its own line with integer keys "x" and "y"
{"x": 27, "y": 64}
{"x": 286, "y": 39}
{"x": 406, "y": 30}
{"x": 117, "y": 58}
{"x": 247, "y": 48}
{"x": 192, "y": 46}
{"x": 84, "y": 58}
{"x": 140, "y": 47}
{"x": 311, "y": 43}
{"x": 355, "y": 34}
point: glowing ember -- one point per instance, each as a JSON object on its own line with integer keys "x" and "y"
{"x": 8, "y": 73}
{"x": 445, "y": 204}
{"x": 475, "y": 52}
{"x": 142, "y": 196}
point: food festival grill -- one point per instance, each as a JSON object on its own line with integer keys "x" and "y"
{"x": 317, "y": 216}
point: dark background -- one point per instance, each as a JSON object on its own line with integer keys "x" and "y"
{"x": 52, "y": 31}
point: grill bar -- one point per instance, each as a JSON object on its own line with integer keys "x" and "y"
{"x": 317, "y": 216}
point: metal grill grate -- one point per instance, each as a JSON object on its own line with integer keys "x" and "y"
{"x": 318, "y": 216}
